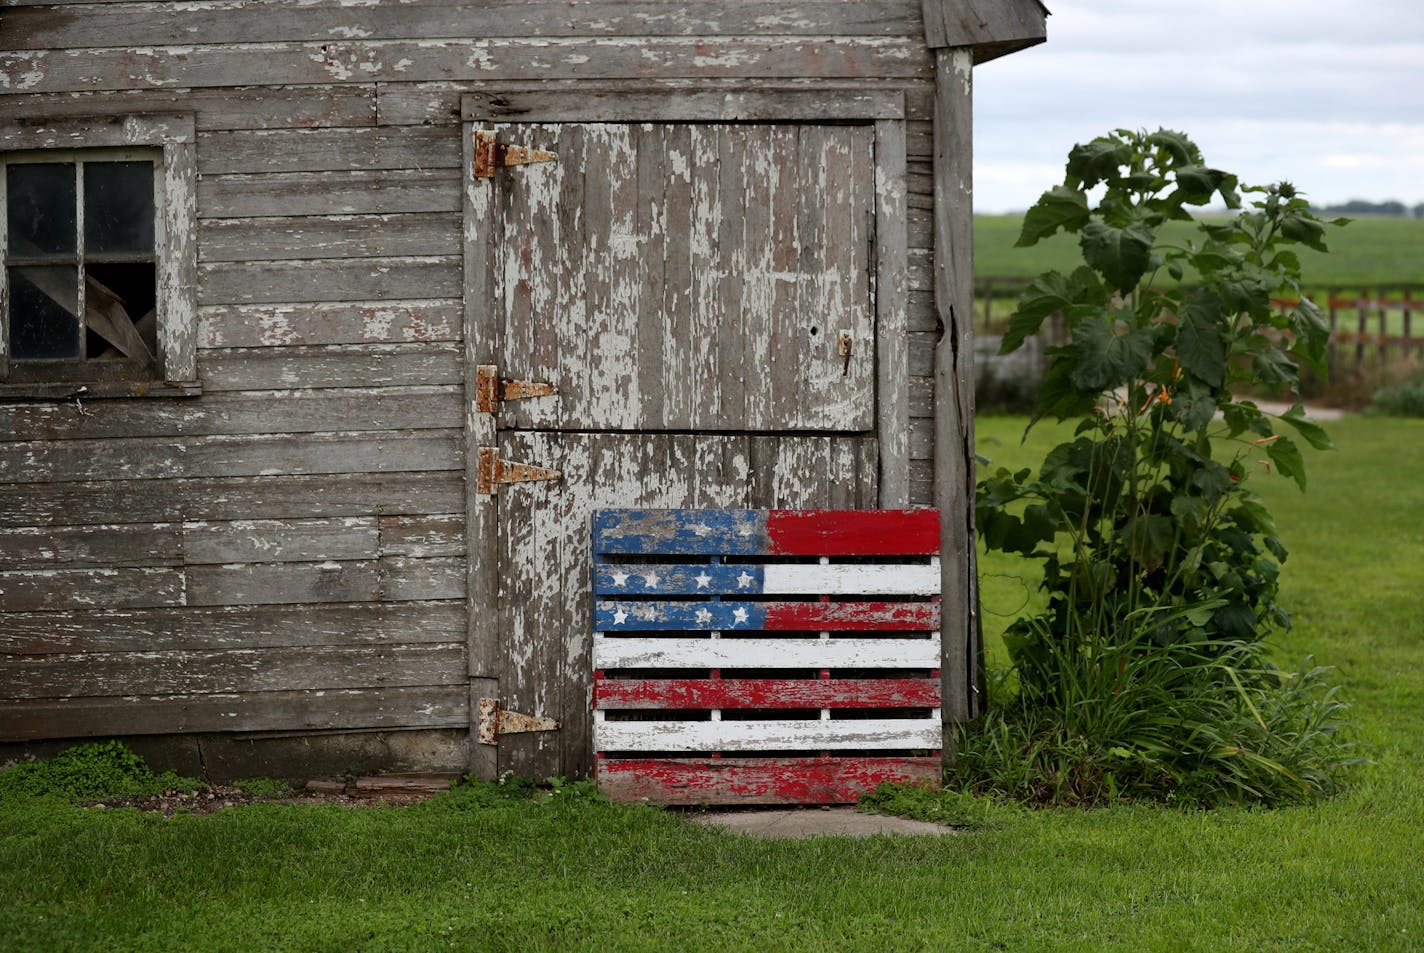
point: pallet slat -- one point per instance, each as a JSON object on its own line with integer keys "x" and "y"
{"x": 766, "y": 616}
{"x": 756, "y": 780}
{"x": 635, "y": 694}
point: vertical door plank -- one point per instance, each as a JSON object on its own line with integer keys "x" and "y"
{"x": 648, "y": 233}
{"x": 572, "y": 323}
{"x": 482, "y": 323}
{"x": 783, "y": 324}
{"x": 891, "y": 307}
{"x": 752, "y": 260}
{"x": 703, "y": 369}
{"x": 730, "y": 320}
{"x": 679, "y": 382}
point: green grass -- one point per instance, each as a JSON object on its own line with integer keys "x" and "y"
{"x": 467, "y": 871}
{"x": 1367, "y": 252}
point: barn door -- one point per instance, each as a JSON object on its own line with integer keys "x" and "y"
{"x": 700, "y": 297}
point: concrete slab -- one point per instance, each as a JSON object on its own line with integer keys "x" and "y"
{"x": 813, "y": 822}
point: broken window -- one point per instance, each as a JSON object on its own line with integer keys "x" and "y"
{"x": 79, "y": 258}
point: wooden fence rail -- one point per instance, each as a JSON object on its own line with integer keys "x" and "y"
{"x": 1371, "y": 325}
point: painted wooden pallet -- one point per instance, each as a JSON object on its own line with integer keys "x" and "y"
{"x": 765, "y": 656}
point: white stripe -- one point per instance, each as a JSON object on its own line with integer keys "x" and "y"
{"x": 620, "y": 652}
{"x": 851, "y": 580}
{"x": 767, "y": 735}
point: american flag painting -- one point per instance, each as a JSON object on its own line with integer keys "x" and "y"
{"x": 765, "y": 656}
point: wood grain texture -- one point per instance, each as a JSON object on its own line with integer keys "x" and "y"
{"x": 481, "y": 332}
{"x": 440, "y": 103}
{"x": 262, "y": 412}
{"x": 366, "y": 61}
{"x": 306, "y": 710}
{"x": 327, "y": 150}
{"x": 355, "y": 192}
{"x": 341, "y": 279}
{"x": 891, "y": 307}
{"x": 355, "y": 322}
{"x": 158, "y": 458}
{"x": 236, "y": 671}
{"x": 239, "y": 107}
{"x": 787, "y": 735}
{"x": 108, "y": 502}
{"x": 317, "y": 21}
{"x": 989, "y": 28}
{"x": 753, "y": 781}
{"x": 332, "y": 236}
{"x": 953, "y": 376}
{"x": 225, "y": 628}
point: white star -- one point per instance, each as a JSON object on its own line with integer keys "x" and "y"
{"x": 745, "y": 531}
{"x": 703, "y": 580}
{"x": 703, "y": 617}
{"x": 702, "y": 529}
{"x": 739, "y": 615}
{"x": 652, "y": 579}
{"x": 620, "y": 579}
{"x": 619, "y": 617}
{"x": 744, "y": 580}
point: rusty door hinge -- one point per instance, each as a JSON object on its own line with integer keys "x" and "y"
{"x": 490, "y": 389}
{"x": 491, "y": 155}
{"x": 495, "y": 721}
{"x": 491, "y": 471}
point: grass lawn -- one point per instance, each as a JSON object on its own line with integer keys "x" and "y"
{"x": 1368, "y": 251}
{"x": 571, "y": 873}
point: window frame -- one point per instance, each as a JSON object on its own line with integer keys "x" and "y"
{"x": 168, "y": 140}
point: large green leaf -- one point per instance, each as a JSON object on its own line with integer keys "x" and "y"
{"x": 1122, "y": 255}
{"x": 1059, "y": 207}
{"x": 1048, "y": 294}
{"x": 1313, "y": 433}
{"x": 1312, "y": 332}
{"x": 1201, "y": 340}
{"x": 1108, "y": 354}
{"x": 1097, "y": 161}
{"x": 1288, "y": 459}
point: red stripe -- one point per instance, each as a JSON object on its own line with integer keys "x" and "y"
{"x": 757, "y": 780}
{"x": 683, "y": 693}
{"x": 853, "y": 616}
{"x": 853, "y": 532}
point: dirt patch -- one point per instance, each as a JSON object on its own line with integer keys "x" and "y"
{"x": 384, "y": 791}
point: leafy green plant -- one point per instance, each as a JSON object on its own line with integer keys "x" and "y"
{"x": 1405, "y": 399}
{"x": 90, "y": 772}
{"x": 263, "y": 787}
{"x": 922, "y": 803}
{"x": 1145, "y": 674}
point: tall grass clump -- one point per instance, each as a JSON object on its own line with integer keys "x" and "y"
{"x": 1147, "y": 675}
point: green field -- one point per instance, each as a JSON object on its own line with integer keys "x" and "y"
{"x": 468, "y": 872}
{"x": 1367, "y": 252}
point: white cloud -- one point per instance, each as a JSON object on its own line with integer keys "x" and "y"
{"x": 1304, "y": 91}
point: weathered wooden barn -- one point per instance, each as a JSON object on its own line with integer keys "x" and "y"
{"x": 273, "y": 277}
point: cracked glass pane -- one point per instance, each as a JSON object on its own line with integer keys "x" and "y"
{"x": 43, "y": 307}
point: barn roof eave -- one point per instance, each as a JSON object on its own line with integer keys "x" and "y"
{"x": 993, "y": 28}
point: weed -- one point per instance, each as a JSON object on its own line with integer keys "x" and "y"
{"x": 922, "y": 803}
{"x": 90, "y": 772}
{"x": 263, "y": 787}
{"x": 1405, "y": 399}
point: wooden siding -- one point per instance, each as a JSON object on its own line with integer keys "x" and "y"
{"x": 307, "y": 510}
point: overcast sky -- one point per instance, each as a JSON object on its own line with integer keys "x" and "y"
{"x": 1327, "y": 95}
